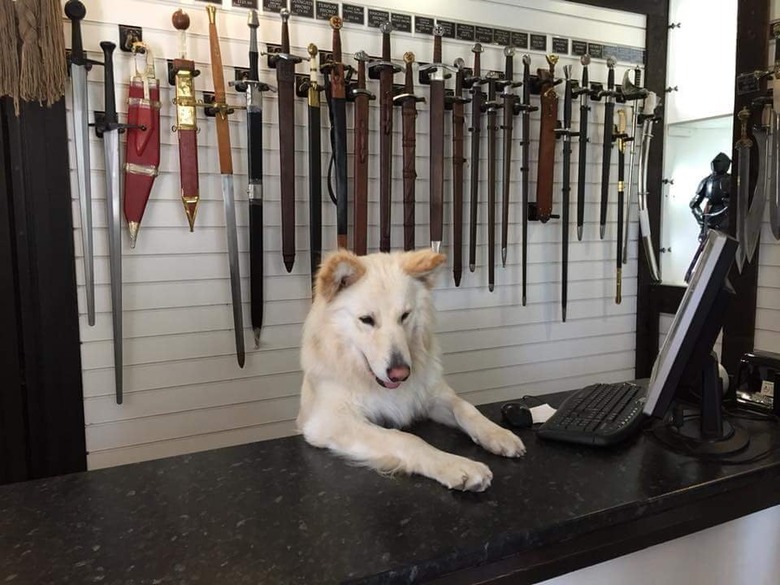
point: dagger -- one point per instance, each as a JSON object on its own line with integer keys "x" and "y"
{"x": 253, "y": 90}
{"x": 408, "y": 102}
{"x": 337, "y": 97}
{"x": 285, "y": 83}
{"x": 226, "y": 170}
{"x": 510, "y": 109}
{"x": 458, "y": 123}
{"x": 609, "y": 122}
{"x": 362, "y": 96}
{"x": 110, "y": 129}
{"x": 79, "y": 66}
{"x": 583, "y": 92}
{"x": 315, "y": 162}
{"x": 477, "y": 100}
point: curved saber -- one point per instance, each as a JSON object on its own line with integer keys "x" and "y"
{"x": 644, "y": 156}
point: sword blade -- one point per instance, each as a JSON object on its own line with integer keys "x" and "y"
{"x": 437, "y": 163}
{"x": 254, "y": 126}
{"x": 476, "y": 122}
{"x": 644, "y": 212}
{"x": 235, "y": 275}
{"x": 743, "y": 186}
{"x": 565, "y": 197}
{"x": 509, "y": 110}
{"x": 113, "y": 209}
{"x": 285, "y": 81}
{"x": 81, "y": 143}
{"x": 630, "y": 188}
{"x": 582, "y": 163}
{"x": 491, "y": 227}
{"x": 526, "y": 144}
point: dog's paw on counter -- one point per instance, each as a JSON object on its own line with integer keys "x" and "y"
{"x": 460, "y": 473}
{"x": 501, "y": 442}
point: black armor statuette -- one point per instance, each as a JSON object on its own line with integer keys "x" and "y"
{"x": 710, "y": 206}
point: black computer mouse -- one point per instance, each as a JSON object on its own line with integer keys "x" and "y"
{"x": 517, "y": 415}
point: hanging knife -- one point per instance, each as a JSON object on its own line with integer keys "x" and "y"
{"x": 609, "y": 123}
{"x": 79, "y": 66}
{"x": 458, "y": 126}
{"x": 226, "y": 170}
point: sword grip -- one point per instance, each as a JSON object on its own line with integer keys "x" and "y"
{"x": 437, "y": 50}
{"x": 110, "y": 97}
{"x": 255, "y": 138}
{"x": 75, "y": 11}
{"x": 254, "y": 56}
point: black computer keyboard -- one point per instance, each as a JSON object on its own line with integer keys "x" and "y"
{"x": 602, "y": 414}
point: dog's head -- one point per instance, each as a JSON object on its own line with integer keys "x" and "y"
{"x": 379, "y": 306}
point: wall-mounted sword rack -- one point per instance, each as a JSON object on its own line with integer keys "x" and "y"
{"x": 449, "y": 88}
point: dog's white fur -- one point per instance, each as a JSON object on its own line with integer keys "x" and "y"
{"x": 343, "y": 406}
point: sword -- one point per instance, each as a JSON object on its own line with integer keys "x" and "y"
{"x": 436, "y": 137}
{"x": 315, "y": 163}
{"x": 477, "y": 99}
{"x": 79, "y": 66}
{"x": 510, "y": 110}
{"x": 362, "y": 96}
{"x": 335, "y": 90}
{"x": 110, "y": 129}
{"x": 566, "y": 134}
{"x": 774, "y": 191}
{"x": 186, "y": 121}
{"x": 386, "y": 71}
{"x": 647, "y": 119}
{"x": 458, "y": 124}
{"x": 742, "y": 147}
{"x": 631, "y": 91}
{"x": 583, "y": 93}
{"x": 549, "y": 120}
{"x": 755, "y": 214}
{"x": 408, "y": 103}
{"x": 253, "y": 90}
{"x": 620, "y": 134}
{"x": 491, "y": 107}
{"x": 142, "y": 155}
{"x": 285, "y": 83}
{"x": 226, "y": 170}
{"x": 609, "y": 121}
{"x": 526, "y": 108}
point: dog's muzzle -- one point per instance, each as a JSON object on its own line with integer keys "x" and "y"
{"x": 397, "y": 372}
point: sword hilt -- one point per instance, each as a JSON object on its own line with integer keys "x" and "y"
{"x": 244, "y": 85}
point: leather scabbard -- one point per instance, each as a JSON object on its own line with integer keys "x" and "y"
{"x": 385, "y": 156}
{"x": 187, "y": 131}
{"x": 546, "y": 167}
{"x": 458, "y": 127}
{"x": 409, "y": 140}
{"x": 142, "y": 156}
{"x": 285, "y": 72}
{"x": 361, "y": 175}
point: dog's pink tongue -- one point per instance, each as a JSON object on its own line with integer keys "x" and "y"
{"x": 392, "y": 385}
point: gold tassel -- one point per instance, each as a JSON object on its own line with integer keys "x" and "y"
{"x": 30, "y": 79}
{"x": 9, "y": 59}
{"x": 52, "y": 40}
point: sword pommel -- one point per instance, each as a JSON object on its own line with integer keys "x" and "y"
{"x": 567, "y": 71}
{"x": 335, "y": 22}
{"x": 312, "y": 50}
{"x": 180, "y": 20}
{"x": 253, "y": 21}
{"x": 585, "y": 60}
{"x": 362, "y": 56}
{"x": 526, "y": 59}
{"x": 551, "y": 61}
{"x": 459, "y": 63}
{"x": 387, "y": 27}
{"x": 285, "y": 14}
{"x": 408, "y": 57}
{"x": 611, "y": 62}
{"x": 509, "y": 51}
{"x": 212, "y": 12}
{"x": 477, "y": 48}
{"x": 75, "y": 10}
{"x": 438, "y": 31}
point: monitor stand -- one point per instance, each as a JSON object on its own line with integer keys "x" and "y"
{"x": 705, "y": 433}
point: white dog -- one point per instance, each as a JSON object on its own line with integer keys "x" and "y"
{"x": 370, "y": 358}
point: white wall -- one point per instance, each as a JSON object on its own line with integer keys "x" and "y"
{"x": 183, "y": 389}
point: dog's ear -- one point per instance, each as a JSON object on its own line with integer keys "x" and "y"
{"x": 338, "y": 271}
{"x": 422, "y": 265}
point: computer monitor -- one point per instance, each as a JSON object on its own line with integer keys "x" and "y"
{"x": 686, "y": 362}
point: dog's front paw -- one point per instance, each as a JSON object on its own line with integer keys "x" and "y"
{"x": 460, "y": 473}
{"x": 502, "y": 442}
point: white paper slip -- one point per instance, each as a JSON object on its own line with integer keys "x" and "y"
{"x": 541, "y": 413}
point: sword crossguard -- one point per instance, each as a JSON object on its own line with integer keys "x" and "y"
{"x": 379, "y": 65}
{"x": 273, "y": 58}
{"x": 243, "y": 85}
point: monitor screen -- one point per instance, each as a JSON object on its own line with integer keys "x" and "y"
{"x": 707, "y": 280}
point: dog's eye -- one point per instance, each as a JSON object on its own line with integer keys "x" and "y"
{"x": 405, "y": 316}
{"x": 367, "y": 319}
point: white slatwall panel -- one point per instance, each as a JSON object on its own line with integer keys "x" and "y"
{"x": 184, "y": 391}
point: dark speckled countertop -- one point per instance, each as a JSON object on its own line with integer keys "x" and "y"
{"x": 281, "y": 511}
